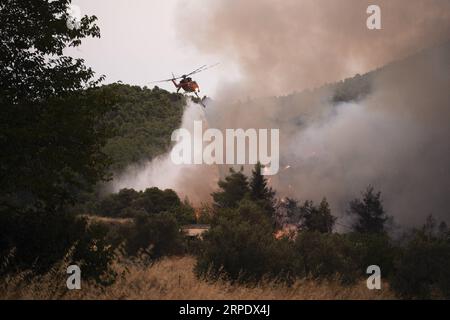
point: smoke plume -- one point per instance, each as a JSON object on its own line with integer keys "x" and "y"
{"x": 291, "y": 45}
{"x": 192, "y": 181}
{"x": 396, "y": 137}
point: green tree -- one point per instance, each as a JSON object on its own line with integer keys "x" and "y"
{"x": 234, "y": 189}
{"x": 317, "y": 218}
{"x": 259, "y": 191}
{"x": 369, "y": 213}
{"x": 156, "y": 235}
{"x": 51, "y": 131}
{"x": 117, "y": 204}
{"x": 93, "y": 254}
{"x": 155, "y": 200}
{"x": 129, "y": 203}
{"x": 240, "y": 246}
{"x": 258, "y": 185}
{"x": 421, "y": 267}
{"x": 142, "y": 121}
{"x": 324, "y": 256}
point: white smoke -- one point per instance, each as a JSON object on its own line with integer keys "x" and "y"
{"x": 396, "y": 138}
{"x": 192, "y": 181}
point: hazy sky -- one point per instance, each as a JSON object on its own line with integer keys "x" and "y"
{"x": 395, "y": 139}
{"x": 298, "y": 44}
{"x": 140, "y": 43}
{"x": 289, "y": 45}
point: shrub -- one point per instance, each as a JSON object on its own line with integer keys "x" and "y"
{"x": 156, "y": 236}
{"x": 93, "y": 254}
{"x": 421, "y": 270}
{"x": 236, "y": 248}
{"x": 240, "y": 246}
{"x": 326, "y": 256}
{"x": 128, "y": 203}
{"x": 155, "y": 200}
{"x": 373, "y": 249}
{"x": 37, "y": 241}
{"x": 184, "y": 214}
{"x": 115, "y": 205}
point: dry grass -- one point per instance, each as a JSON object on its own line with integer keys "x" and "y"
{"x": 172, "y": 278}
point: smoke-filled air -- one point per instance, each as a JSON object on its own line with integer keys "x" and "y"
{"x": 287, "y": 46}
{"x": 393, "y": 133}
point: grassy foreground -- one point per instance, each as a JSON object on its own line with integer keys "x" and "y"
{"x": 173, "y": 278}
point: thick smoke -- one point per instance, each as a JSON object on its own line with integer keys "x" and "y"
{"x": 291, "y": 45}
{"x": 192, "y": 181}
{"x": 395, "y": 138}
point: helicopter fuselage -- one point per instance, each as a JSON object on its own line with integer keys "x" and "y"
{"x": 188, "y": 86}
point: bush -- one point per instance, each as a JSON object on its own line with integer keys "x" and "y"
{"x": 373, "y": 249}
{"x": 156, "y": 236}
{"x": 154, "y": 200}
{"x": 93, "y": 254}
{"x": 37, "y": 241}
{"x": 184, "y": 214}
{"x": 421, "y": 270}
{"x": 128, "y": 203}
{"x": 284, "y": 262}
{"x": 114, "y": 205}
{"x": 236, "y": 248}
{"x": 326, "y": 256}
{"x": 240, "y": 246}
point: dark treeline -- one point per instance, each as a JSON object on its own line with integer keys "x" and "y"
{"x": 255, "y": 236}
{"x": 246, "y": 242}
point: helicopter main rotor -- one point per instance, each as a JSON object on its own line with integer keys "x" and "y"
{"x": 198, "y": 70}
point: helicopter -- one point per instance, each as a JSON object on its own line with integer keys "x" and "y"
{"x": 187, "y": 83}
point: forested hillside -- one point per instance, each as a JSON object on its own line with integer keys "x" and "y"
{"x": 141, "y": 122}
{"x": 143, "y": 119}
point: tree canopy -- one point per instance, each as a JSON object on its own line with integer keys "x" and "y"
{"x": 233, "y": 189}
{"x": 50, "y": 134}
{"x": 369, "y": 213}
{"x": 51, "y": 137}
